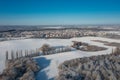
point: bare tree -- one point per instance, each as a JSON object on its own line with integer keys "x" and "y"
{"x": 21, "y": 53}
{"x": 6, "y": 55}
{"x": 46, "y": 48}
{"x": 37, "y": 51}
{"x": 17, "y": 56}
{"x": 12, "y": 55}
{"x": 25, "y": 53}
{"x": 116, "y": 51}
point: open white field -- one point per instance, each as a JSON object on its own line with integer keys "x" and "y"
{"x": 27, "y": 44}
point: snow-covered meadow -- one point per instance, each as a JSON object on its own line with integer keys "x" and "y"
{"x": 49, "y": 63}
{"x": 27, "y": 44}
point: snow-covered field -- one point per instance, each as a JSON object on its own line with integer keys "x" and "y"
{"x": 49, "y": 63}
{"x": 27, "y": 44}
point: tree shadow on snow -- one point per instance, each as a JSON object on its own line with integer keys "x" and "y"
{"x": 43, "y": 63}
{"x": 51, "y": 79}
{"x": 58, "y": 46}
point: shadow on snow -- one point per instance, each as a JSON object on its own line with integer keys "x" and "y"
{"x": 43, "y": 63}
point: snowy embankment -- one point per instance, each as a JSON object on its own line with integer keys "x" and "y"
{"x": 50, "y": 63}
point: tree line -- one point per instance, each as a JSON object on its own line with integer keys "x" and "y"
{"x": 44, "y": 50}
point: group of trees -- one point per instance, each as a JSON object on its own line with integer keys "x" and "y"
{"x": 101, "y": 67}
{"x": 116, "y": 50}
{"x": 47, "y": 49}
{"x": 18, "y": 54}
